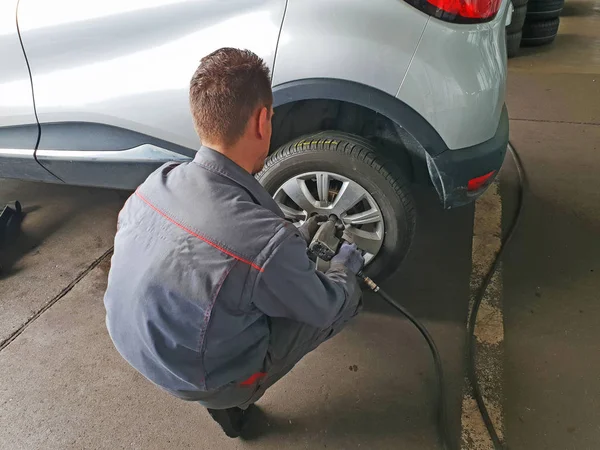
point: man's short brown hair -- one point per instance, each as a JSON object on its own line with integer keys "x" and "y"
{"x": 226, "y": 89}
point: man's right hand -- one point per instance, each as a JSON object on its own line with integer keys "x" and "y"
{"x": 350, "y": 257}
{"x": 309, "y": 228}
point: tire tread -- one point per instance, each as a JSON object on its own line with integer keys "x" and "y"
{"x": 540, "y": 33}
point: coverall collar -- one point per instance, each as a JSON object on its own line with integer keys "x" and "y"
{"x": 218, "y": 163}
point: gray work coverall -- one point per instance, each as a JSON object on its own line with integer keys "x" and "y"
{"x": 211, "y": 295}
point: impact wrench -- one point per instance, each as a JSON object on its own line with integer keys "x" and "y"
{"x": 324, "y": 246}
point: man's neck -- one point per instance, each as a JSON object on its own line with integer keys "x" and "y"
{"x": 234, "y": 153}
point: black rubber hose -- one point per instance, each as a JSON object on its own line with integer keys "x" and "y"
{"x": 471, "y": 371}
{"x": 442, "y": 416}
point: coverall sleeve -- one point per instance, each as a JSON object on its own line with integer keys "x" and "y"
{"x": 291, "y": 287}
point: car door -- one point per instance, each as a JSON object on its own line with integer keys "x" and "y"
{"x": 18, "y": 125}
{"x": 111, "y": 77}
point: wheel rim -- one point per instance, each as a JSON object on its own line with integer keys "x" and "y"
{"x": 330, "y": 193}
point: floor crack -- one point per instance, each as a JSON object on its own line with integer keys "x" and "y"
{"x": 568, "y": 122}
{"x": 61, "y": 294}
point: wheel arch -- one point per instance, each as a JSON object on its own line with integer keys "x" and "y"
{"x": 312, "y": 105}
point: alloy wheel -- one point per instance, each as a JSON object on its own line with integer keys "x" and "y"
{"x": 329, "y": 193}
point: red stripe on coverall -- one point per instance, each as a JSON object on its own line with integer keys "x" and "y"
{"x": 253, "y": 379}
{"x": 187, "y": 230}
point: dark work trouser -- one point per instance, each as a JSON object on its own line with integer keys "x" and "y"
{"x": 290, "y": 342}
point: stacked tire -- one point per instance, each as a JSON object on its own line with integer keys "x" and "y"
{"x": 542, "y": 22}
{"x": 514, "y": 31}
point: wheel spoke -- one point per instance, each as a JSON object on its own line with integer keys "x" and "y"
{"x": 350, "y": 194}
{"x": 323, "y": 187}
{"x": 370, "y": 216}
{"x": 368, "y": 241}
{"x": 291, "y": 213}
{"x": 297, "y": 190}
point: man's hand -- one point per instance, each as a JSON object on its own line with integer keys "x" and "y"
{"x": 349, "y": 256}
{"x": 308, "y": 229}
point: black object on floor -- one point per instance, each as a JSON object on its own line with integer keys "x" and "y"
{"x": 10, "y": 223}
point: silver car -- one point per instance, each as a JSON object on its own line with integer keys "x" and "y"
{"x": 370, "y": 96}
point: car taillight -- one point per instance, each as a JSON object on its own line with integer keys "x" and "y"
{"x": 459, "y": 11}
{"x": 479, "y": 182}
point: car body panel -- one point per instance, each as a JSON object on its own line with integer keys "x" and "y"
{"x": 369, "y": 42}
{"x": 457, "y": 79}
{"x": 18, "y": 125}
{"x": 104, "y": 156}
{"x": 117, "y": 169}
{"x": 16, "y": 102}
{"x": 128, "y": 63}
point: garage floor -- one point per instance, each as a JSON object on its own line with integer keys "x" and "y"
{"x": 63, "y": 386}
{"x": 552, "y": 269}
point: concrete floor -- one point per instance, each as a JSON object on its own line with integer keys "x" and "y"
{"x": 552, "y": 268}
{"x": 63, "y": 386}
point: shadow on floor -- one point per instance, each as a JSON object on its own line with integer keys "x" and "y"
{"x": 433, "y": 281}
{"x": 47, "y": 209}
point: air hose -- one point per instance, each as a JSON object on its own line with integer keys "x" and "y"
{"x": 471, "y": 370}
{"x": 442, "y": 417}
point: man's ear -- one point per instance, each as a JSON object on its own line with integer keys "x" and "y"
{"x": 264, "y": 123}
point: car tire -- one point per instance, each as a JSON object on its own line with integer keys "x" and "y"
{"x": 518, "y": 3}
{"x": 540, "y": 33}
{"x": 355, "y": 159}
{"x": 544, "y": 9}
{"x": 513, "y": 43}
{"x": 517, "y": 21}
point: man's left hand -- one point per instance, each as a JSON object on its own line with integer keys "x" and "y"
{"x": 308, "y": 229}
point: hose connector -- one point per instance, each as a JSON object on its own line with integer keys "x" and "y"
{"x": 370, "y": 283}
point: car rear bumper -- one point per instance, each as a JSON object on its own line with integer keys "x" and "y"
{"x": 452, "y": 170}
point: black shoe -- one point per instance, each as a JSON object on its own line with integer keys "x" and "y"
{"x": 230, "y": 419}
{"x": 255, "y": 423}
